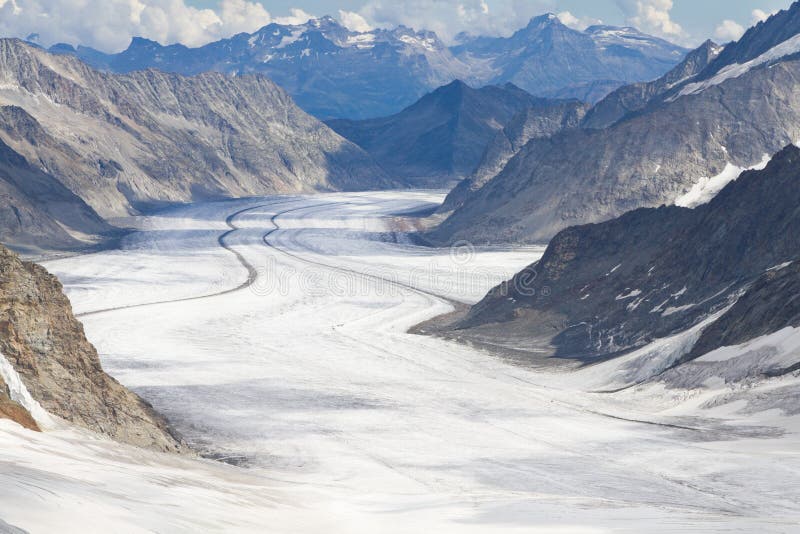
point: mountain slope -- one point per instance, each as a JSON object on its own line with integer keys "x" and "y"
{"x": 679, "y": 148}
{"x": 59, "y": 368}
{"x": 122, "y": 142}
{"x": 36, "y": 209}
{"x": 333, "y": 72}
{"x": 543, "y": 119}
{"x": 442, "y": 136}
{"x": 601, "y": 290}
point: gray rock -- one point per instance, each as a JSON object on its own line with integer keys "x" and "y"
{"x": 37, "y": 211}
{"x": 542, "y": 119}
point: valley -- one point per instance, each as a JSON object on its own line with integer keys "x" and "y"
{"x": 304, "y": 377}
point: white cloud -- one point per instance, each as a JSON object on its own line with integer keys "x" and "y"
{"x": 296, "y": 16}
{"x": 449, "y": 17}
{"x": 109, "y": 24}
{"x": 353, "y": 21}
{"x": 759, "y": 15}
{"x": 729, "y": 30}
{"x": 652, "y": 16}
{"x": 578, "y": 23}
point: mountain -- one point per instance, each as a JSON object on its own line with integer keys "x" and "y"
{"x": 680, "y": 147}
{"x": 53, "y": 365}
{"x": 333, "y": 72}
{"x": 542, "y": 119}
{"x": 443, "y": 135}
{"x": 548, "y": 58}
{"x": 126, "y": 142}
{"x": 601, "y": 290}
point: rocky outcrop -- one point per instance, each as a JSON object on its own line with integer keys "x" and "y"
{"x": 47, "y": 347}
{"x": 603, "y": 289}
{"x": 123, "y": 142}
{"x": 770, "y": 304}
{"x": 442, "y": 136}
{"x": 10, "y": 409}
{"x": 543, "y": 119}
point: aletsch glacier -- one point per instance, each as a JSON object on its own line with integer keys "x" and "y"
{"x": 342, "y": 419}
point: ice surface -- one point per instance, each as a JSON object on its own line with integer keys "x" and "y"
{"x": 342, "y": 422}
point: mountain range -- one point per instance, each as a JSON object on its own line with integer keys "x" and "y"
{"x": 677, "y": 140}
{"x": 333, "y": 72}
{"x": 80, "y": 145}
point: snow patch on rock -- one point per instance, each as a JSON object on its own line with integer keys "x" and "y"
{"x": 707, "y": 188}
{"x": 20, "y": 394}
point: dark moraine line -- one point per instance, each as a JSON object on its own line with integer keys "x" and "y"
{"x": 265, "y": 239}
{"x": 252, "y": 273}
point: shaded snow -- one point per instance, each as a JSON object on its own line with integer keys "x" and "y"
{"x": 707, "y": 188}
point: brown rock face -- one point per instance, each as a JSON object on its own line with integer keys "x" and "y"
{"x": 44, "y": 342}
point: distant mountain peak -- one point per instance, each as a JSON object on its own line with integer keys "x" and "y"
{"x": 140, "y": 43}
{"x": 542, "y": 21}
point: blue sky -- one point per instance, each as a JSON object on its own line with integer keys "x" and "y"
{"x": 109, "y": 25}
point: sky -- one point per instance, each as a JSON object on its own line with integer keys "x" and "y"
{"x": 108, "y": 25}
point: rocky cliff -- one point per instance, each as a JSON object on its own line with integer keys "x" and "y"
{"x": 46, "y": 345}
